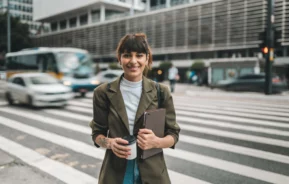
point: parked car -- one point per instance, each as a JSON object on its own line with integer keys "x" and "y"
{"x": 37, "y": 89}
{"x": 252, "y": 82}
{"x": 107, "y": 76}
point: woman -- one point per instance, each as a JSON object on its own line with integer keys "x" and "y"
{"x": 117, "y": 110}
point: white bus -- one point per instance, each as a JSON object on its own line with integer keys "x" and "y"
{"x": 74, "y": 67}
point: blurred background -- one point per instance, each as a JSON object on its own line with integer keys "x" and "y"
{"x": 228, "y": 54}
{"x": 214, "y": 40}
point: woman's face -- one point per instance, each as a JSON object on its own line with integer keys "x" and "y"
{"x": 133, "y": 65}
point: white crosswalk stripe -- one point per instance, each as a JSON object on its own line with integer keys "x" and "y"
{"x": 264, "y": 123}
{"x": 61, "y": 171}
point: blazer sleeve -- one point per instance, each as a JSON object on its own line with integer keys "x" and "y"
{"x": 99, "y": 123}
{"x": 171, "y": 126}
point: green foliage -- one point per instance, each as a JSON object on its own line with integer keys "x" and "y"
{"x": 113, "y": 66}
{"x": 165, "y": 65}
{"x": 198, "y": 65}
{"x": 19, "y": 34}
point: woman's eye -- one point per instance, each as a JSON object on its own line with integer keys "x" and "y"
{"x": 139, "y": 55}
{"x": 126, "y": 55}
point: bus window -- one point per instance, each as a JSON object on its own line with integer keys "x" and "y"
{"x": 12, "y": 63}
{"x": 28, "y": 62}
{"x": 51, "y": 63}
{"x": 46, "y": 63}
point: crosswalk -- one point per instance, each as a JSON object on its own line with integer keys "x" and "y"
{"x": 222, "y": 141}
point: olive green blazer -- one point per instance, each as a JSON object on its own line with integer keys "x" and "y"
{"x": 110, "y": 119}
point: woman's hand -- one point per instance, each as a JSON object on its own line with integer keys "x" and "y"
{"x": 146, "y": 139}
{"x": 117, "y": 147}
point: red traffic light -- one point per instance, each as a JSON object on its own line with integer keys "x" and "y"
{"x": 265, "y": 50}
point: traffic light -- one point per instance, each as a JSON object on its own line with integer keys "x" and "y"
{"x": 277, "y": 36}
{"x": 265, "y": 50}
{"x": 262, "y": 38}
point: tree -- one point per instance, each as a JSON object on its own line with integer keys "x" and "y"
{"x": 19, "y": 34}
{"x": 198, "y": 65}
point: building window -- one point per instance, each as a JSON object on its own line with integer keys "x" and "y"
{"x": 63, "y": 24}
{"x": 95, "y": 15}
{"x": 53, "y": 26}
{"x": 83, "y": 19}
{"x": 72, "y": 22}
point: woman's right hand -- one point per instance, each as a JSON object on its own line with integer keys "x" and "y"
{"x": 118, "y": 148}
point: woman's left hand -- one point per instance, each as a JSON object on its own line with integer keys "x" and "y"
{"x": 146, "y": 139}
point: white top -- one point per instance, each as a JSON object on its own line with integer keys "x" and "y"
{"x": 173, "y": 71}
{"x": 131, "y": 93}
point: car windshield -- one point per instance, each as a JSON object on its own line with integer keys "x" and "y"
{"x": 43, "y": 80}
{"x": 72, "y": 62}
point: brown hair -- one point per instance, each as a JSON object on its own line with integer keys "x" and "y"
{"x": 135, "y": 43}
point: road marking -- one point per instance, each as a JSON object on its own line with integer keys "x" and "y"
{"x": 221, "y": 105}
{"x": 48, "y": 120}
{"x": 233, "y": 126}
{"x": 186, "y": 119}
{"x": 56, "y": 169}
{"x": 69, "y": 115}
{"x": 213, "y": 144}
{"x": 249, "y": 103}
{"x": 238, "y": 136}
{"x": 77, "y": 103}
{"x": 231, "y": 118}
{"x": 72, "y": 144}
{"x": 228, "y": 113}
{"x": 235, "y": 109}
{"x": 229, "y": 166}
{"x": 244, "y": 137}
{"x": 235, "y": 149}
{"x": 204, "y": 115}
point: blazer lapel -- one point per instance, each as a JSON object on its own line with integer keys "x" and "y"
{"x": 146, "y": 98}
{"x": 116, "y": 100}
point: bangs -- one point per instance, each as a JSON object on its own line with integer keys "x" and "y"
{"x": 134, "y": 43}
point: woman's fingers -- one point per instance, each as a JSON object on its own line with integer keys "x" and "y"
{"x": 120, "y": 150}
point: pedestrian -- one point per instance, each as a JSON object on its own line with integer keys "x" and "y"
{"x": 117, "y": 112}
{"x": 173, "y": 75}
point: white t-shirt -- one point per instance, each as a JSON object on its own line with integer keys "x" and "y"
{"x": 131, "y": 93}
{"x": 173, "y": 71}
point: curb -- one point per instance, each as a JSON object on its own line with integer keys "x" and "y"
{"x": 283, "y": 96}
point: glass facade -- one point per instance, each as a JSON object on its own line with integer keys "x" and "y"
{"x": 213, "y": 26}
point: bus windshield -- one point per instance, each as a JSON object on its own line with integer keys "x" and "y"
{"x": 71, "y": 63}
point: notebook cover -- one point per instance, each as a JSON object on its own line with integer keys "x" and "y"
{"x": 154, "y": 120}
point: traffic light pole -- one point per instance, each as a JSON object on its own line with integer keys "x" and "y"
{"x": 270, "y": 45}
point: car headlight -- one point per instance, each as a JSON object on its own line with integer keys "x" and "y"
{"x": 95, "y": 82}
{"x": 67, "y": 83}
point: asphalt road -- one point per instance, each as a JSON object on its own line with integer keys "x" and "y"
{"x": 224, "y": 139}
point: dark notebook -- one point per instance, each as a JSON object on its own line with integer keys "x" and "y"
{"x": 154, "y": 120}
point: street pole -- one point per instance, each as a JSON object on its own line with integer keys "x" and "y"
{"x": 8, "y": 27}
{"x": 270, "y": 45}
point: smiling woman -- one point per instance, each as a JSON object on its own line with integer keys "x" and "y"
{"x": 117, "y": 110}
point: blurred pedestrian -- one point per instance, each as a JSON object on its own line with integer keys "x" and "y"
{"x": 117, "y": 112}
{"x": 173, "y": 76}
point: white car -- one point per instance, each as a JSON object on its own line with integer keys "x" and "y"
{"x": 107, "y": 76}
{"x": 37, "y": 89}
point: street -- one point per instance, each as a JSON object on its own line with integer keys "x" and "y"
{"x": 223, "y": 140}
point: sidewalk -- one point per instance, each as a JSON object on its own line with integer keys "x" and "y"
{"x": 14, "y": 171}
{"x": 207, "y": 92}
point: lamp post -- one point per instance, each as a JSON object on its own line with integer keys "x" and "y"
{"x": 8, "y": 26}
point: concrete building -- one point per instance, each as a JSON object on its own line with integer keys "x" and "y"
{"x": 180, "y": 31}
{"x": 23, "y": 9}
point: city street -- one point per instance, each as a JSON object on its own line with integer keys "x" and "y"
{"x": 225, "y": 139}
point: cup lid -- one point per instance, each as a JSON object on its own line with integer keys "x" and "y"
{"x": 130, "y": 138}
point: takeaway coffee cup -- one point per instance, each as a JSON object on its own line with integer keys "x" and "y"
{"x": 132, "y": 144}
